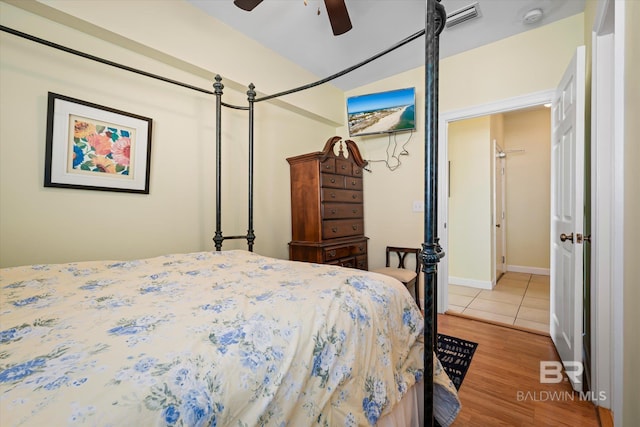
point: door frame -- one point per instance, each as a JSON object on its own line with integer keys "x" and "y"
{"x": 607, "y": 195}
{"x": 501, "y": 106}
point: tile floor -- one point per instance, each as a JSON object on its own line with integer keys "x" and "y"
{"x": 519, "y": 299}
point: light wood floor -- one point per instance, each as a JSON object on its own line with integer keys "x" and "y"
{"x": 502, "y": 386}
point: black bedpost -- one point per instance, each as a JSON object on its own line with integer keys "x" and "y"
{"x": 251, "y": 96}
{"x": 218, "y": 86}
{"x": 431, "y": 250}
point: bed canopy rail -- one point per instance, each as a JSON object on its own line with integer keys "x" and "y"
{"x": 95, "y": 58}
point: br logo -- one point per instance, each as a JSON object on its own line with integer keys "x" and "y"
{"x": 551, "y": 371}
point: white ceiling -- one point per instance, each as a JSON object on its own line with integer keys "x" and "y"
{"x": 298, "y": 33}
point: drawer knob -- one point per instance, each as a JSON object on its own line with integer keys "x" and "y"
{"x": 344, "y": 167}
{"x": 333, "y": 180}
{"x": 333, "y": 195}
{"x": 355, "y": 196}
{"x": 353, "y": 183}
{"x": 354, "y": 211}
{"x": 361, "y": 248}
{"x": 332, "y": 253}
{"x": 355, "y": 227}
{"x": 333, "y": 211}
{"x": 334, "y": 229}
{"x": 327, "y": 167}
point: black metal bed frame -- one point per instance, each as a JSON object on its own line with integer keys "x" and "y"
{"x": 431, "y": 253}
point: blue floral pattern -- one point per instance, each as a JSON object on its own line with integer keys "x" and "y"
{"x": 209, "y": 338}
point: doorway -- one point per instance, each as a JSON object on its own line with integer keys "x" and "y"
{"x": 499, "y": 204}
{"x": 512, "y": 104}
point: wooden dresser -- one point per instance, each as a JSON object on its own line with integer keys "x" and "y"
{"x": 327, "y": 218}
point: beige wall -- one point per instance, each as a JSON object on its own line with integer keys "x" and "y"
{"x": 631, "y": 369}
{"x": 43, "y": 225}
{"x": 526, "y": 63}
{"x": 528, "y": 187}
{"x": 470, "y": 202}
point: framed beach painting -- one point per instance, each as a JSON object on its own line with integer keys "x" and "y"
{"x": 94, "y": 147}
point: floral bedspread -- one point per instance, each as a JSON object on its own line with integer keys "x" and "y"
{"x": 213, "y": 338}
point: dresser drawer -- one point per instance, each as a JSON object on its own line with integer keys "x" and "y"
{"x": 344, "y": 167}
{"x": 330, "y": 180}
{"x": 350, "y": 249}
{"x": 333, "y": 254}
{"x": 350, "y": 262}
{"x": 329, "y": 166}
{"x": 359, "y": 248}
{"x": 361, "y": 262}
{"x": 342, "y": 228}
{"x": 352, "y": 183}
{"x": 341, "y": 210}
{"x": 336, "y": 195}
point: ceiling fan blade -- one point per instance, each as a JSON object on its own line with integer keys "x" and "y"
{"x": 247, "y": 5}
{"x": 338, "y": 16}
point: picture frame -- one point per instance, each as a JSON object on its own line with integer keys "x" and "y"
{"x": 93, "y": 147}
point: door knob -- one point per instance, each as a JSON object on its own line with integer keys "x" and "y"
{"x": 565, "y": 237}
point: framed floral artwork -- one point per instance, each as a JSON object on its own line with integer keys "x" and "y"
{"x": 94, "y": 147}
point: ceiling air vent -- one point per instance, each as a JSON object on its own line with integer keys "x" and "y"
{"x": 462, "y": 15}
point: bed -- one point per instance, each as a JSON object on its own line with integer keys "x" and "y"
{"x": 228, "y": 338}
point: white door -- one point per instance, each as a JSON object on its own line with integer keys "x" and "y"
{"x": 567, "y": 197}
{"x": 499, "y": 187}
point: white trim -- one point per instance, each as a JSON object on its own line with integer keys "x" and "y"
{"x": 608, "y": 210}
{"x": 510, "y": 104}
{"x": 602, "y": 166}
{"x": 515, "y": 103}
{"x": 617, "y": 267}
{"x": 530, "y": 270}
{"x": 472, "y": 283}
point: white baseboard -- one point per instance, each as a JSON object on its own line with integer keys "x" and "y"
{"x": 481, "y": 284}
{"x": 529, "y": 270}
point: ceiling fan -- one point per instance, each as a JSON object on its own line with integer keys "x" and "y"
{"x": 336, "y": 10}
